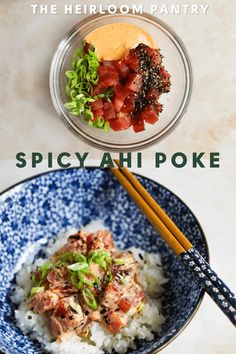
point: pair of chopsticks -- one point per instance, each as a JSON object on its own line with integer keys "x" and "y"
{"x": 183, "y": 248}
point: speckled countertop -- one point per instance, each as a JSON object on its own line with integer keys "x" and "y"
{"x": 29, "y": 123}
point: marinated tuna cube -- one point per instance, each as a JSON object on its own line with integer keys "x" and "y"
{"x": 68, "y": 316}
{"x": 43, "y": 301}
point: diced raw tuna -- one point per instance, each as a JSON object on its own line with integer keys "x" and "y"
{"x": 67, "y": 316}
{"x": 101, "y": 239}
{"x": 75, "y": 243}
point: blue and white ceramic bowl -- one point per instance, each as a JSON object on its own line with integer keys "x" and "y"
{"x": 53, "y": 202}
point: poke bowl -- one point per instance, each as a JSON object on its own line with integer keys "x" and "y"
{"x": 34, "y": 212}
{"x": 129, "y": 132}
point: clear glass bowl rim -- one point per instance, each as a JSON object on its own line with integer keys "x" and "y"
{"x": 127, "y": 146}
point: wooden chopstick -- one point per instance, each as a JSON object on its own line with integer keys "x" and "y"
{"x": 149, "y": 213}
{"x": 186, "y": 244}
{"x": 183, "y": 248}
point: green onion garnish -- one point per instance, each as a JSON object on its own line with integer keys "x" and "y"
{"x": 89, "y": 299}
{"x": 119, "y": 261}
{"x": 126, "y": 280}
{"x": 79, "y": 257}
{"x": 33, "y": 277}
{"x": 109, "y": 276}
{"x": 74, "y": 280}
{"x": 65, "y": 257}
{"x": 44, "y": 269}
{"x": 70, "y": 257}
{"x": 80, "y": 82}
{"x": 101, "y": 262}
{"x": 80, "y": 284}
{"x": 140, "y": 306}
{"x": 88, "y": 282}
{"x": 99, "y": 257}
{"x": 78, "y": 266}
{"x": 37, "y": 289}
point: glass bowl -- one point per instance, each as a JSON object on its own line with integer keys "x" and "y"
{"x": 175, "y": 102}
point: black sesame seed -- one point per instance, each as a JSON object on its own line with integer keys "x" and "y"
{"x": 140, "y": 256}
{"x": 73, "y": 237}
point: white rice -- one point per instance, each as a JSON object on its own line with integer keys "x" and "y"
{"x": 101, "y": 341}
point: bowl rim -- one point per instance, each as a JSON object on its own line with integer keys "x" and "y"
{"x": 203, "y": 236}
{"x": 147, "y": 142}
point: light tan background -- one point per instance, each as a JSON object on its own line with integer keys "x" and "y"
{"x": 28, "y": 121}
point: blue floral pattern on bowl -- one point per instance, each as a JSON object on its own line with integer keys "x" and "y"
{"x": 54, "y": 202}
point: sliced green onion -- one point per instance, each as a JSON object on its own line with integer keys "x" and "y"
{"x": 101, "y": 262}
{"x": 85, "y": 271}
{"x": 44, "y": 269}
{"x": 45, "y": 266}
{"x": 119, "y": 261}
{"x": 98, "y": 254}
{"x": 70, "y": 257}
{"x": 126, "y": 280}
{"x": 107, "y": 95}
{"x": 78, "y": 97}
{"x": 96, "y": 279}
{"x": 78, "y": 266}
{"x": 109, "y": 276}
{"x": 106, "y": 257}
{"x": 79, "y": 62}
{"x": 106, "y": 127}
{"x": 68, "y": 91}
{"x": 90, "y": 99}
{"x": 80, "y": 284}
{"x": 34, "y": 279}
{"x": 100, "y": 122}
{"x": 88, "y": 114}
{"x": 88, "y": 282}
{"x": 36, "y": 289}
{"x": 80, "y": 82}
{"x": 71, "y": 74}
{"x": 140, "y": 306}
{"x": 89, "y": 299}
{"x": 77, "y": 111}
{"x": 74, "y": 280}
{"x": 100, "y": 257}
{"x": 70, "y": 105}
{"x": 74, "y": 82}
{"x": 79, "y": 257}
